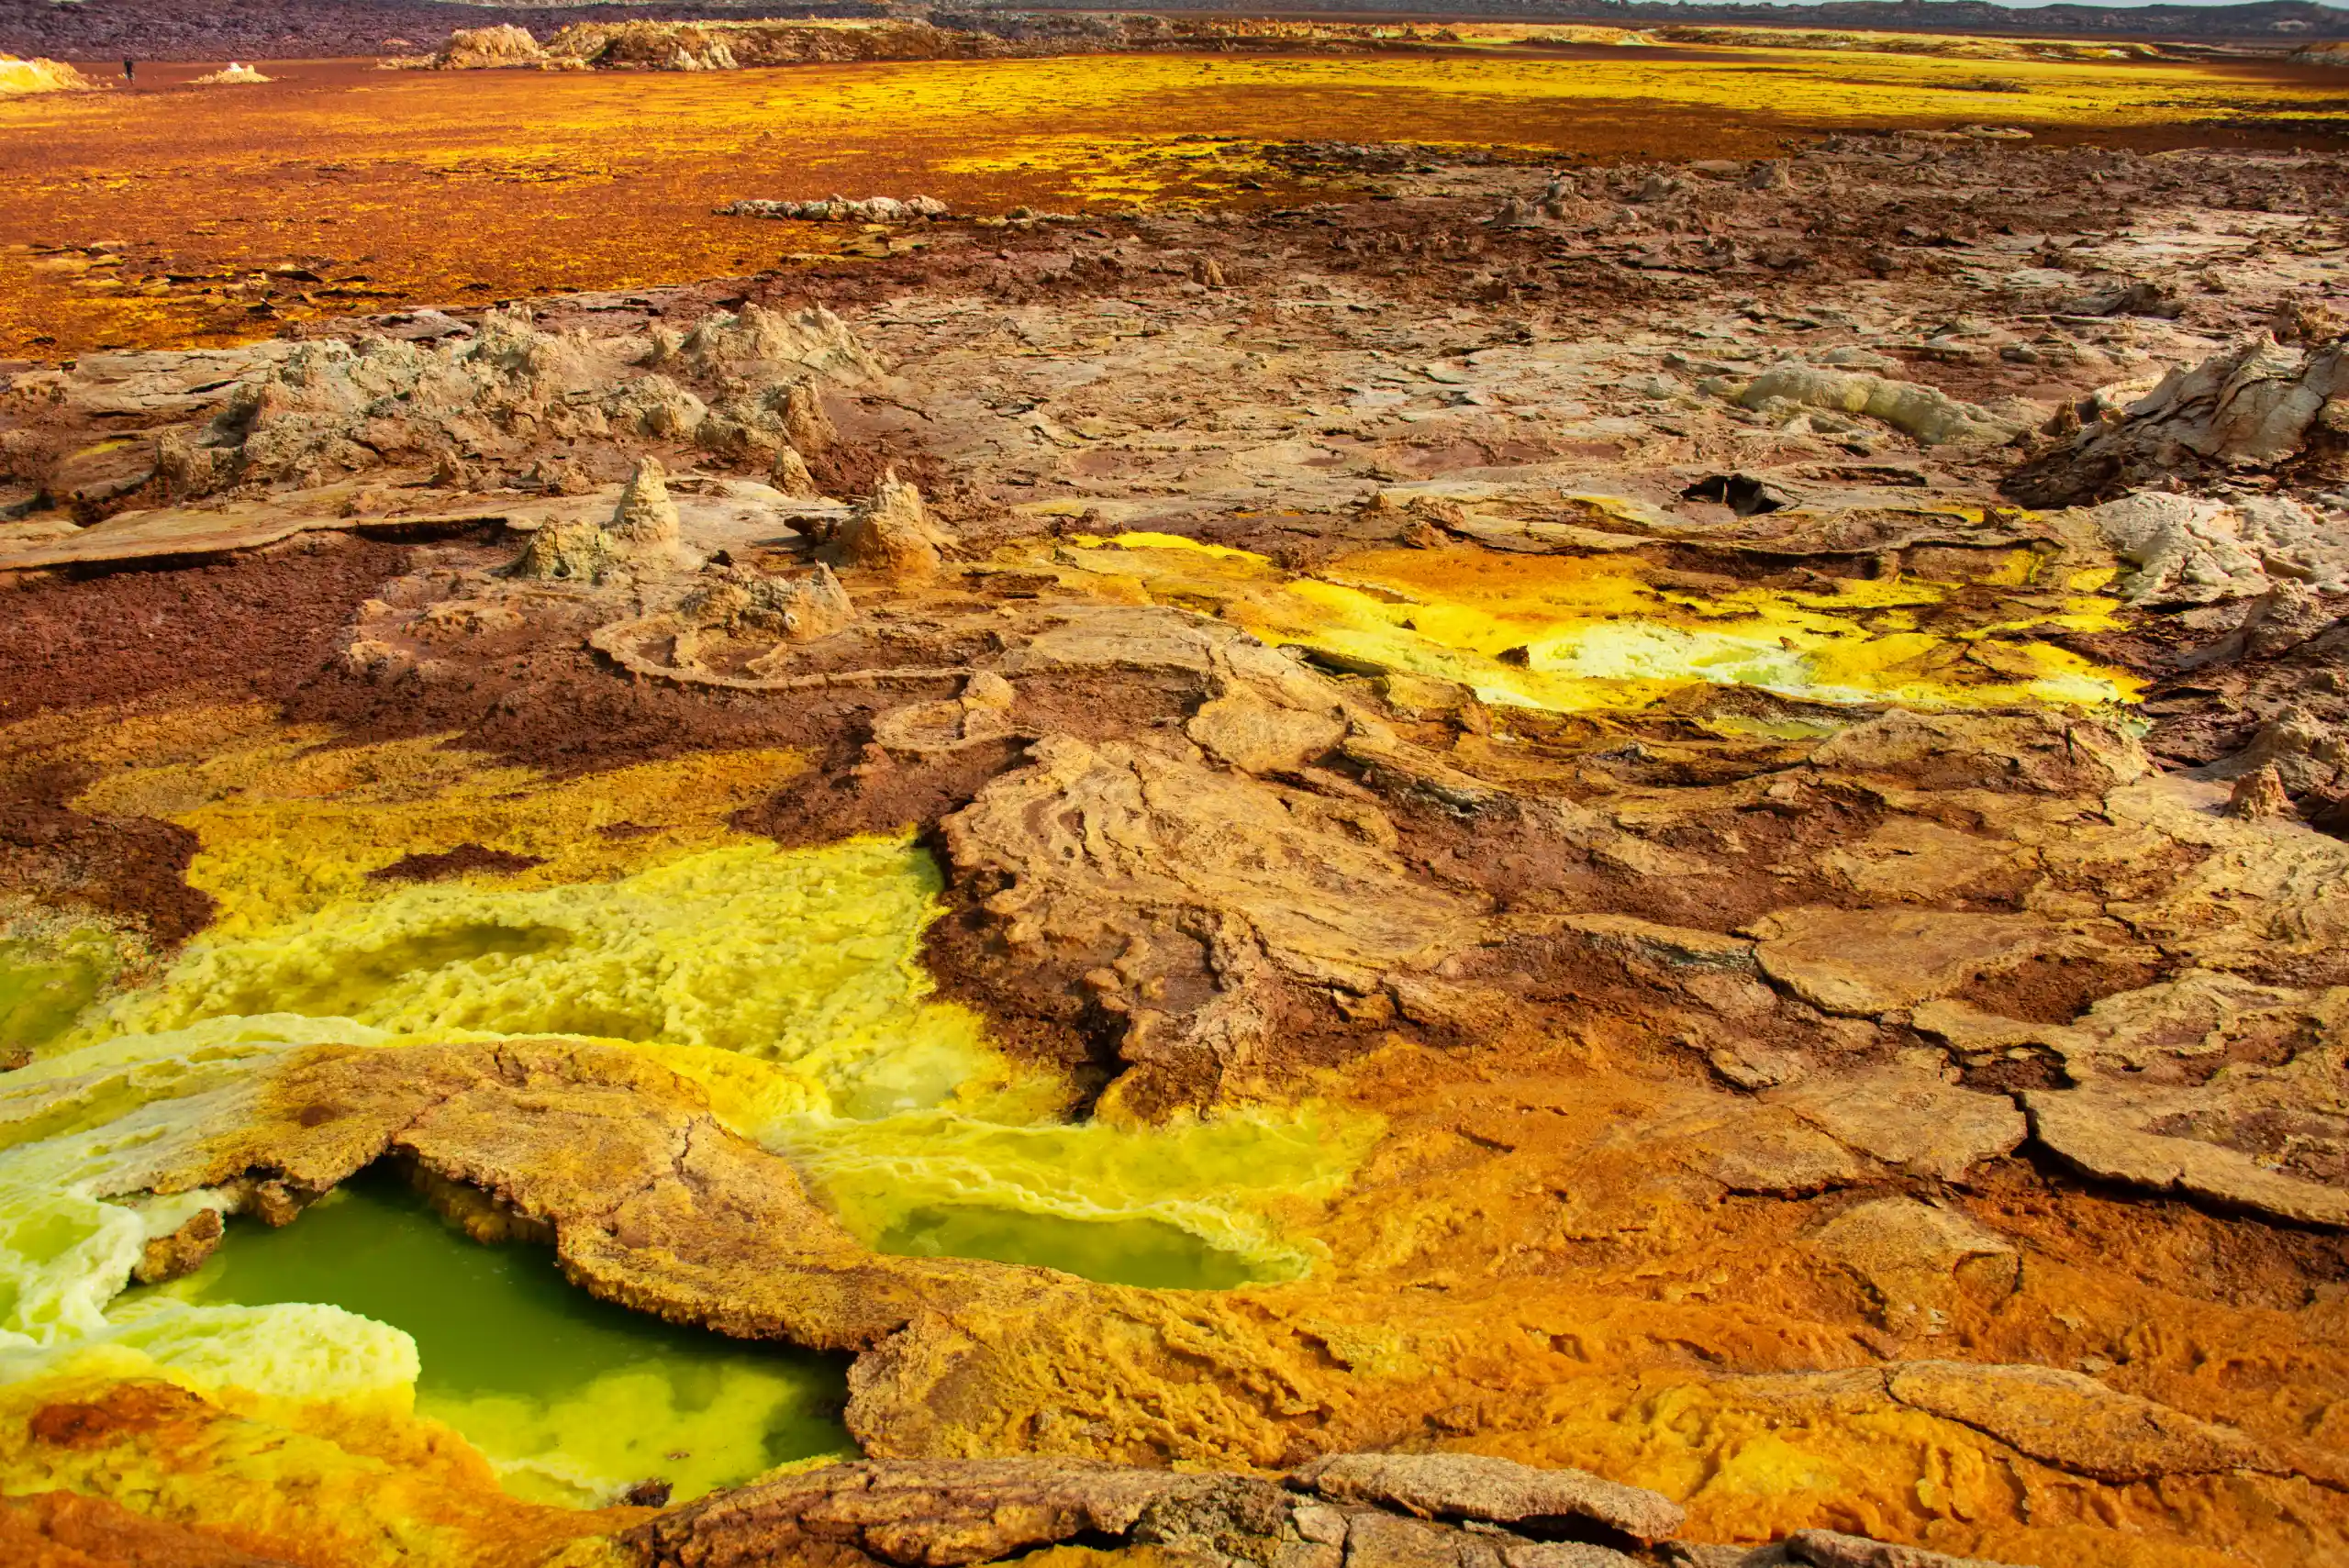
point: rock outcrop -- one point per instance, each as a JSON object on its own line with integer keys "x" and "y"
{"x": 646, "y": 520}
{"x": 2268, "y": 1140}
{"x": 839, "y": 209}
{"x": 891, "y": 533}
{"x": 2071, "y": 1419}
{"x": 757, "y": 339}
{"x": 642, "y": 535}
{"x": 2260, "y": 408}
{"x": 945, "y": 1513}
{"x": 1833, "y": 1549}
{"x": 1189, "y": 896}
{"x": 334, "y": 407}
{"x": 491, "y": 47}
{"x": 2193, "y": 550}
{"x": 797, "y": 607}
{"x": 1496, "y": 1491}
{"x": 729, "y": 45}
{"x": 578, "y": 551}
{"x": 1931, "y": 416}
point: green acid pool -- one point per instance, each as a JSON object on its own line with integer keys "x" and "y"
{"x": 45, "y": 983}
{"x": 573, "y": 1398}
{"x": 1143, "y": 1252}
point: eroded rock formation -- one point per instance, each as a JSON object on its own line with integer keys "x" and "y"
{"x": 2253, "y": 409}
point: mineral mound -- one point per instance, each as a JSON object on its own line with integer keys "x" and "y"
{"x": 26, "y": 76}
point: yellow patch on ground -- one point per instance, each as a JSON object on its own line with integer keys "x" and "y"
{"x": 291, "y": 823}
{"x": 785, "y": 982}
{"x": 318, "y": 1484}
{"x": 19, "y": 77}
{"x": 1598, "y": 633}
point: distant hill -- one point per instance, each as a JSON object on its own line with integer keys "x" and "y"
{"x": 208, "y": 29}
{"x": 289, "y": 29}
{"x": 2278, "y": 19}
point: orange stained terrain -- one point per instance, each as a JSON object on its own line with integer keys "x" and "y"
{"x": 338, "y": 189}
{"x": 1624, "y": 1294}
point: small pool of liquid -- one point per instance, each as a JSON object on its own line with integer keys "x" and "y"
{"x": 1145, "y": 1252}
{"x": 573, "y": 1398}
{"x": 45, "y": 985}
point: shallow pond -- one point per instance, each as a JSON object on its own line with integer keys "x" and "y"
{"x": 567, "y": 1394}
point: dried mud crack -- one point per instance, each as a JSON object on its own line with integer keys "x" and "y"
{"x": 1567, "y": 868}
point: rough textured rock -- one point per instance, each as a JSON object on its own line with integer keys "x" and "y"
{"x": 474, "y": 49}
{"x": 334, "y": 407}
{"x": 1138, "y": 856}
{"x": 656, "y": 406}
{"x": 791, "y": 476}
{"x": 2189, "y": 549}
{"x": 1907, "y": 1116}
{"x": 643, "y": 535}
{"x": 1911, "y": 1255}
{"x": 836, "y": 209}
{"x": 937, "y": 1514}
{"x": 726, "y": 45}
{"x": 180, "y": 1252}
{"x": 19, "y": 77}
{"x": 61, "y": 1530}
{"x": 578, "y": 551}
{"x": 1260, "y": 737}
{"x": 1472, "y": 1486}
{"x": 2272, "y": 1141}
{"x": 1833, "y": 1549}
{"x": 2074, "y": 1420}
{"x": 980, "y": 715}
{"x": 797, "y": 607}
{"x": 2304, "y": 750}
{"x": 892, "y": 534}
{"x": 1774, "y": 1150}
{"x": 1930, "y": 415}
{"x": 1867, "y": 962}
{"x": 2038, "y": 752}
{"x": 947, "y": 1513}
{"x": 645, "y": 520}
{"x": 759, "y": 337}
{"x": 810, "y": 429}
{"x": 2259, "y": 793}
{"x": 2256, "y": 407}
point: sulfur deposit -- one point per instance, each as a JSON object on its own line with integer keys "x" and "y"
{"x": 26, "y": 76}
{"x": 1525, "y": 867}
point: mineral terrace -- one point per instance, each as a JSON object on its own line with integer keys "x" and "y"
{"x": 1538, "y": 868}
